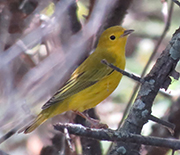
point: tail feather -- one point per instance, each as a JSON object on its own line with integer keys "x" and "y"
{"x": 38, "y": 121}
{"x": 46, "y": 114}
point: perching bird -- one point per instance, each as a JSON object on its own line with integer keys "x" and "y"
{"x": 92, "y": 81}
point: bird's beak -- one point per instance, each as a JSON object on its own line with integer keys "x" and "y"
{"x": 126, "y": 32}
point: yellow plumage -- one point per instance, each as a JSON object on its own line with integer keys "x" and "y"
{"x": 92, "y": 81}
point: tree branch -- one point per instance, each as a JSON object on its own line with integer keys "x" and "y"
{"x": 111, "y": 135}
{"x": 132, "y": 76}
{"x": 166, "y": 124}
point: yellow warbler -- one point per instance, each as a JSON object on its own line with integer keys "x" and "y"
{"x": 92, "y": 81}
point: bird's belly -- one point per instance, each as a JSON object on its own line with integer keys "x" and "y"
{"x": 93, "y": 95}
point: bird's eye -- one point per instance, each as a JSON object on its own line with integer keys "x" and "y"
{"x": 112, "y": 37}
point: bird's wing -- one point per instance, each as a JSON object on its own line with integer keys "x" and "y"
{"x": 78, "y": 82}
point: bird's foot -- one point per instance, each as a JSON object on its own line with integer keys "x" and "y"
{"x": 94, "y": 123}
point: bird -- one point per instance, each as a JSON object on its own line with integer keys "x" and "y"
{"x": 92, "y": 81}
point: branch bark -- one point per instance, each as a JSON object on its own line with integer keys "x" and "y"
{"x": 115, "y": 136}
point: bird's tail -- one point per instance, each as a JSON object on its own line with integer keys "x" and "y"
{"x": 38, "y": 121}
{"x": 46, "y": 114}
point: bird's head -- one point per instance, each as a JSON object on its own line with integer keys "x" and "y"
{"x": 114, "y": 36}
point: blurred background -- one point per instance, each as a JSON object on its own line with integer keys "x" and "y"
{"x": 42, "y": 42}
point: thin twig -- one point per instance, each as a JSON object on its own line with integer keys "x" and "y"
{"x": 111, "y": 135}
{"x": 68, "y": 139}
{"x": 132, "y": 76}
{"x": 168, "y": 125}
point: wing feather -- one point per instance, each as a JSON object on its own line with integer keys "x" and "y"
{"x": 78, "y": 82}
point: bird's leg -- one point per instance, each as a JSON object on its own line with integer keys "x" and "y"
{"x": 94, "y": 122}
